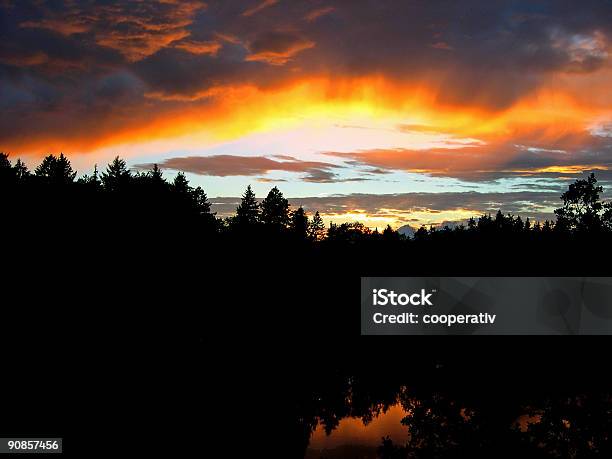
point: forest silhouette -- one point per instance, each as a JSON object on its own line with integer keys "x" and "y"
{"x": 52, "y": 196}
{"x": 137, "y": 230}
{"x": 258, "y": 314}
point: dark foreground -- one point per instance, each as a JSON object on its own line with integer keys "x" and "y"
{"x": 134, "y": 322}
{"x": 248, "y": 349}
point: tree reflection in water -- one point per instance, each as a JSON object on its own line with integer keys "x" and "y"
{"x": 449, "y": 416}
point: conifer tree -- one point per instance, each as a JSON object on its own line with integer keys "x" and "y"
{"x": 275, "y": 209}
{"x": 21, "y": 170}
{"x": 247, "y": 212}
{"x": 316, "y": 229}
{"x": 181, "y": 184}
{"x": 117, "y": 176}
{"x": 200, "y": 200}
{"x": 300, "y": 223}
{"x": 92, "y": 180}
{"x": 56, "y": 170}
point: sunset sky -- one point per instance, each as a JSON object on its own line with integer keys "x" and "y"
{"x": 380, "y": 111}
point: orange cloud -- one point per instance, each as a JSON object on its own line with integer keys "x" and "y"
{"x": 135, "y": 30}
{"x": 548, "y": 119}
{"x": 68, "y": 26}
{"x": 319, "y": 12}
{"x": 25, "y": 60}
{"x": 277, "y": 48}
{"x": 199, "y": 47}
{"x": 260, "y": 6}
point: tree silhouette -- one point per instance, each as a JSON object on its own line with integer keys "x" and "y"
{"x": 316, "y": 229}
{"x": 118, "y": 225}
{"x": 149, "y": 193}
{"x": 390, "y": 235}
{"x": 56, "y": 170}
{"x": 147, "y": 199}
{"x": 275, "y": 210}
{"x": 117, "y": 176}
{"x": 194, "y": 198}
{"x": 248, "y": 211}
{"x": 421, "y": 234}
{"x": 21, "y": 170}
{"x": 582, "y": 209}
{"x": 300, "y": 224}
{"x": 181, "y": 184}
{"x": 201, "y": 202}
{"x": 7, "y": 174}
{"x": 351, "y": 233}
{"x": 92, "y": 180}
{"x": 156, "y": 175}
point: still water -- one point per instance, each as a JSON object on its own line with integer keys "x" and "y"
{"x": 356, "y": 439}
{"x": 352, "y": 438}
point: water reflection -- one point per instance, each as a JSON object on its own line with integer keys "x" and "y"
{"x": 354, "y": 438}
{"x": 365, "y": 416}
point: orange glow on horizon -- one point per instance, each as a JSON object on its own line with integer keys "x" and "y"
{"x": 231, "y": 112}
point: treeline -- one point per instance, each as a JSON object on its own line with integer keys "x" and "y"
{"x": 138, "y": 197}
{"x": 52, "y": 189}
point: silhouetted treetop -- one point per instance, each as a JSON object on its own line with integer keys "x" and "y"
{"x": 582, "y": 208}
{"x": 300, "y": 223}
{"x": 56, "y": 170}
{"x": 147, "y": 196}
{"x": 117, "y": 176}
{"x": 275, "y": 209}
{"x": 248, "y": 212}
{"x": 316, "y": 229}
{"x": 180, "y": 183}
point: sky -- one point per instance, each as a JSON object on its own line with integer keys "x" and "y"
{"x": 386, "y": 112}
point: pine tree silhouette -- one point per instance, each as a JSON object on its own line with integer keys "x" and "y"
{"x": 56, "y": 170}
{"x": 316, "y": 229}
{"x": 117, "y": 176}
{"x": 300, "y": 224}
{"x": 275, "y": 210}
{"x": 247, "y": 212}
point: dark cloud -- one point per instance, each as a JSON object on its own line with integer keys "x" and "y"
{"x": 318, "y": 13}
{"x": 256, "y": 8}
{"x": 569, "y": 155}
{"x": 134, "y": 29}
{"x": 278, "y": 48}
{"x": 230, "y": 165}
{"x": 532, "y": 204}
{"x": 191, "y": 76}
{"x": 485, "y": 55}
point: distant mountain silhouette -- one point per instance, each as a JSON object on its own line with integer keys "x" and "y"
{"x": 407, "y": 231}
